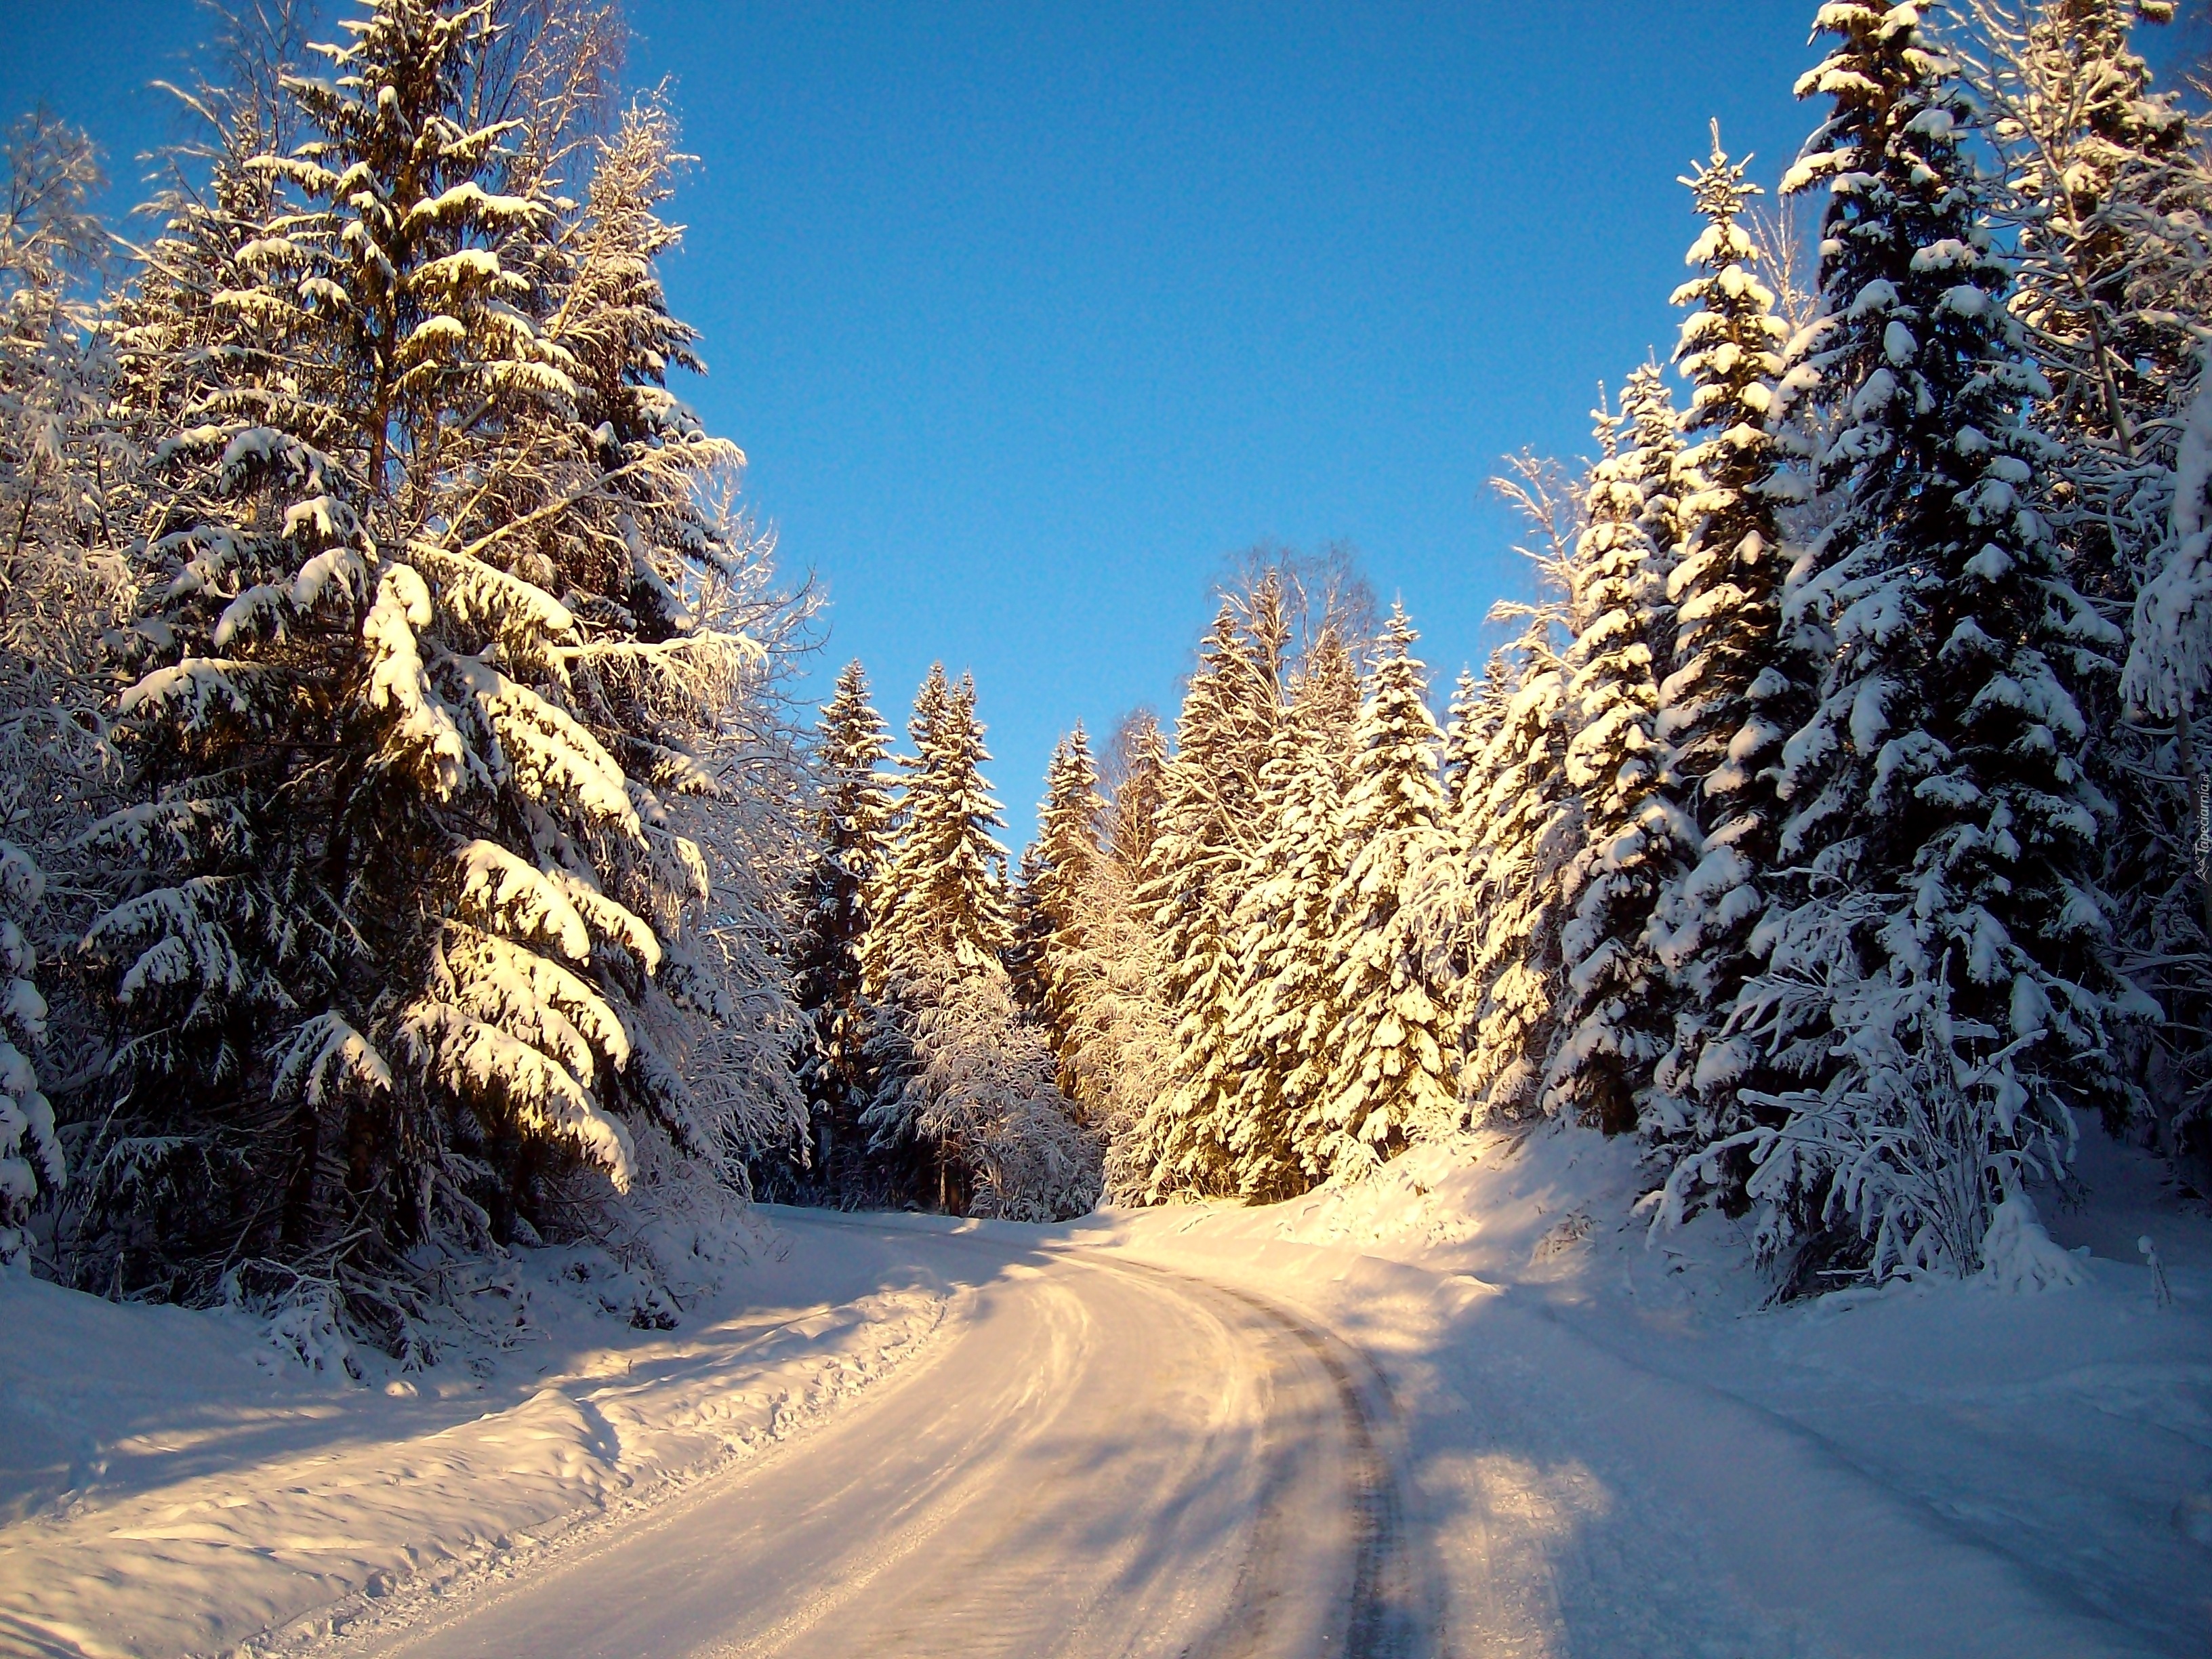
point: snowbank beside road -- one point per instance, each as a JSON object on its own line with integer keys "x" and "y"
{"x": 166, "y": 1489}
{"x": 1624, "y": 1451}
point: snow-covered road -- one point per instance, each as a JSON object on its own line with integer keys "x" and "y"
{"x": 1466, "y": 1406}
{"x": 1104, "y": 1457}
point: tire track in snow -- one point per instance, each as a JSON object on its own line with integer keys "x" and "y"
{"x": 961, "y": 1512}
{"x": 1391, "y": 1610}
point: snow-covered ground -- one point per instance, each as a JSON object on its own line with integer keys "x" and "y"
{"x": 1623, "y": 1453}
{"x": 170, "y": 1483}
{"x": 1606, "y": 1446}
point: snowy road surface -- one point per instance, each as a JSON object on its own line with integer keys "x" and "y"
{"x": 1463, "y": 1406}
{"x": 1107, "y": 1458}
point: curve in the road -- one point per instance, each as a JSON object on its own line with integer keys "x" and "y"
{"x": 1108, "y": 1457}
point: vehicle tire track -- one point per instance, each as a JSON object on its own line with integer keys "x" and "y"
{"x": 1391, "y": 1609}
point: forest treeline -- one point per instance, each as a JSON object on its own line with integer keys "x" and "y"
{"x": 410, "y": 846}
{"x": 1834, "y": 823}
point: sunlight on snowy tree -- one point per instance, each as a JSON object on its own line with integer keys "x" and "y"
{"x": 443, "y": 638}
{"x": 1739, "y": 682}
{"x": 1520, "y": 825}
{"x": 1613, "y": 1012}
{"x": 1390, "y": 1077}
{"x": 2106, "y": 197}
{"x": 1937, "y": 801}
{"x": 852, "y": 838}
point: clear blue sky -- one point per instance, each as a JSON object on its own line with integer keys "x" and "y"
{"x": 1027, "y": 315}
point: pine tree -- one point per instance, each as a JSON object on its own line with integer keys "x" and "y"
{"x": 1057, "y": 868}
{"x": 1614, "y": 1016}
{"x": 1197, "y": 864}
{"x": 1391, "y": 1078}
{"x": 852, "y": 836}
{"x": 1738, "y": 685}
{"x": 432, "y": 578}
{"x": 1464, "y": 737}
{"x": 1948, "y": 927}
{"x": 941, "y": 895}
{"x": 31, "y": 1162}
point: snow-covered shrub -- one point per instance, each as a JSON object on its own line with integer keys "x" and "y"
{"x": 973, "y": 1082}
{"x": 2018, "y": 1255}
{"x": 1924, "y": 1134}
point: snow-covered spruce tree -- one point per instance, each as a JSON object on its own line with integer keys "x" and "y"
{"x": 1738, "y": 683}
{"x": 1446, "y": 903}
{"x": 1284, "y": 1000}
{"x": 2107, "y": 197}
{"x": 63, "y": 584}
{"x": 1518, "y": 832}
{"x": 1614, "y": 1016}
{"x": 427, "y": 557}
{"x": 1284, "y": 952}
{"x": 690, "y": 647}
{"x": 1058, "y": 869}
{"x": 1464, "y": 737}
{"x": 57, "y": 453}
{"x": 1140, "y": 754}
{"x": 853, "y": 818}
{"x": 1518, "y": 827}
{"x": 1390, "y": 1076}
{"x": 30, "y": 1162}
{"x": 1118, "y": 1044}
{"x": 1939, "y": 809}
{"x": 942, "y": 891}
{"x": 957, "y": 1067}
{"x": 2104, "y": 187}
{"x": 1199, "y": 861}
{"x": 1325, "y": 685}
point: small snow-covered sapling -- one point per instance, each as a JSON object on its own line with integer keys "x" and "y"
{"x": 2162, "y": 1293}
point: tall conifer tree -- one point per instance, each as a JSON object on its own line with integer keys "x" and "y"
{"x": 1059, "y": 868}
{"x": 1464, "y": 737}
{"x": 1738, "y": 685}
{"x": 1615, "y": 1014}
{"x": 941, "y": 896}
{"x": 1284, "y": 1011}
{"x": 1939, "y": 973}
{"x": 1197, "y": 866}
{"x": 422, "y": 644}
{"x": 852, "y": 829}
{"x": 1391, "y": 1077}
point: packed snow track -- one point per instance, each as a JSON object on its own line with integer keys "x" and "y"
{"x": 1102, "y": 1458}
